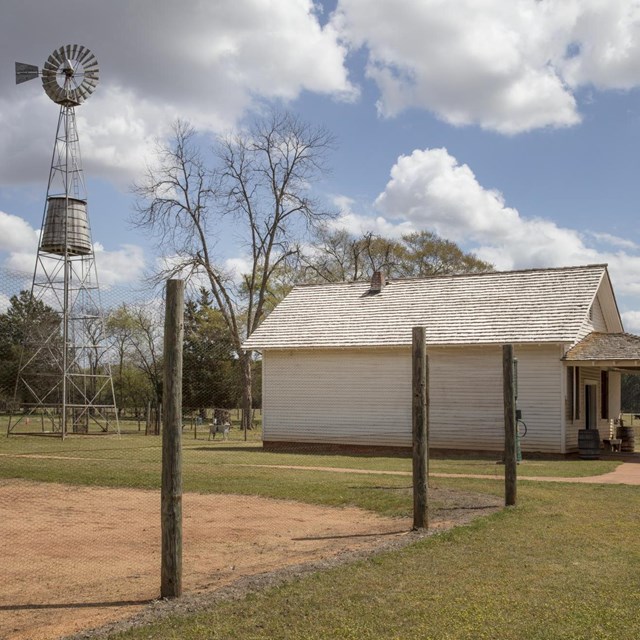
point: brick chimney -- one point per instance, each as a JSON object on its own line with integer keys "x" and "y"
{"x": 378, "y": 281}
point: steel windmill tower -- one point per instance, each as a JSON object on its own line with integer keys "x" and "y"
{"x": 64, "y": 379}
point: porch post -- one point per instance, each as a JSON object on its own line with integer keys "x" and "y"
{"x": 510, "y": 463}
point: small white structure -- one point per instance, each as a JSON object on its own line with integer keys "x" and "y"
{"x": 337, "y": 359}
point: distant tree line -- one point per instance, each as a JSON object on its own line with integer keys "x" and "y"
{"x": 134, "y": 334}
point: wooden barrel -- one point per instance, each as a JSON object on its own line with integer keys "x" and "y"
{"x": 588, "y": 444}
{"x": 627, "y": 436}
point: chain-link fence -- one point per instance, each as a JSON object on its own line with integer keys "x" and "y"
{"x": 80, "y": 515}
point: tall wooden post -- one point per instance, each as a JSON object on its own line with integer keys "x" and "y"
{"x": 420, "y": 413}
{"x": 171, "y": 571}
{"x": 509, "y": 392}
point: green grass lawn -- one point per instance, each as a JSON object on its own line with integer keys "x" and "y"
{"x": 242, "y": 467}
{"x": 564, "y": 564}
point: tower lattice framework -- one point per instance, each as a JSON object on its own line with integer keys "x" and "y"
{"x": 64, "y": 383}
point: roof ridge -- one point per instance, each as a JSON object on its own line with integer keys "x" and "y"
{"x": 455, "y": 275}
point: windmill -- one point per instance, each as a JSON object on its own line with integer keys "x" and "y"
{"x": 64, "y": 380}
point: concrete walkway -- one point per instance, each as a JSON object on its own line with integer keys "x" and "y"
{"x": 626, "y": 473}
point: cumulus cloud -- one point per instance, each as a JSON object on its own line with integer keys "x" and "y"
{"x": 359, "y": 224}
{"x": 16, "y": 234}
{"x": 204, "y": 61}
{"x": 506, "y": 66}
{"x": 631, "y": 321}
{"x": 604, "y": 49}
{"x": 613, "y": 241}
{"x": 430, "y": 189}
{"x": 237, "y": 268}
{"x": 19, "y": 243}
{"x": 122, "y": 265}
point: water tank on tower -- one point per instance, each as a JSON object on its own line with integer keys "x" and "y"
{"x": 66, "y": 229}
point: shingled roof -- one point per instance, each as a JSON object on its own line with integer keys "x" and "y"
{"x": 598, "y": 346}
{"x": 536, "y": 305}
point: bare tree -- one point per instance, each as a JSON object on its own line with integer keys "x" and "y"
{"x": 339, "y": 256}
{"x": 135, "y": 332}
{"x": 261, "y": 180}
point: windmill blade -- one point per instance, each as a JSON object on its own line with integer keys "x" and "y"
{"x": 57, "y": 56}
{"x": 90, "y": 66}
{"x": 51, "y": 66}
{"x": 90, "y": 83}
{"x": 25, "y": 72}
{"x": 70, "y": 75}
{"x": 84, "y": 55}
{"x": 74, "y": 96}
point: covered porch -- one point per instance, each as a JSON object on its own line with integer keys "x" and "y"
{"x": 593, "y": 372}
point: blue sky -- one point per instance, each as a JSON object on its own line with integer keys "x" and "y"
{"x": 511, "y": 128}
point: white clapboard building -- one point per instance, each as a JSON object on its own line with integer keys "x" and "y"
{"x": 337, "y": 359}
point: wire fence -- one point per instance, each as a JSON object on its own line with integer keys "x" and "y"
{"x": 80, "y": 516}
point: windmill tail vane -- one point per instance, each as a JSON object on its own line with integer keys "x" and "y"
{"x": 25, "y": 72}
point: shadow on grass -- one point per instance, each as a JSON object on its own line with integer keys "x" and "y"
{"x": 227, "y": 448}
{"x": 354, "y": 535}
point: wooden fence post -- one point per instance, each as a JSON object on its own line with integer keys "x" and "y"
{"x": 420, "y": 418}
{"x": 171, "y": 495}
{"x": 510, "y": 462}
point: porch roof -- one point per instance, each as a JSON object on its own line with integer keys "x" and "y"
{"x": 606, "y": 349}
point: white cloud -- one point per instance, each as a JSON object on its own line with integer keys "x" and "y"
{"x": 472, "y": 61}
{"x": 613, "y": 241}
{"x": 429, "y": 186}
{"x": 17, "y": 234}
{"x": 359, "y": 224}
{"x": 430, "y": 190}
{"x": 631, "y": 321}
{"x": 5, "y": 302}
{"x": 237, "y": 267}
{"x": 208, "y": 62}
{"x": 605, "y": 40}
{"x": 122, "y": 265}
{"x": 506, "y": 66}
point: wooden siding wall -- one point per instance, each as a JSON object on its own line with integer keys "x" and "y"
{"x": 596, "y": 322}
{"x": 541, "y": 397}
{"x": 338, "y": 396}
{"x": 465, "y": 389}
{"x": 364, "y": 397}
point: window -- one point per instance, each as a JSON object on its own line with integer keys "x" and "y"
{"x": 604, "y": 395}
